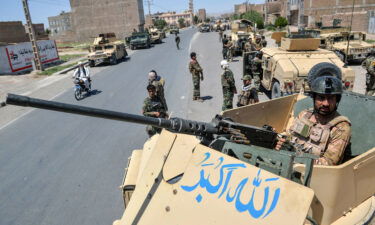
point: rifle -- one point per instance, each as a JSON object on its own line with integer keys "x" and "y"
{"x": 219, "y": 127}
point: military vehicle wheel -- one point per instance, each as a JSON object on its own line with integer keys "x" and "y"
{"x": 92, "y": 63}
{"x": 340, "y": 55}
{"x": 113, "y": 60}
{"x": 276, "y": 90}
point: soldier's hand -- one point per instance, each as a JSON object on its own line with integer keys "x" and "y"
{"x": 280, "y": 143}
{"x": 157, "y": 114}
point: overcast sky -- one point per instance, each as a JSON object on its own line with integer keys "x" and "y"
{"x": 11, "y": 10}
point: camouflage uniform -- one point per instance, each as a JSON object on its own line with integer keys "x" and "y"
{"x": 225, "y": 48}
{"x": 159, "y": 85}
{"x": 151, "y": 105}
{"x": 248, "y": 95}
{"x": 230, "y": 47}
{"x": 328, "y": 138}
{"x": 229, "y": 89}
{"x": 256, "y": 70}
{"x": 249, "y": 47}
{"x": 196, "y": 72}
{"x": 258, "y": 45}
{"x": 369, "y": 65}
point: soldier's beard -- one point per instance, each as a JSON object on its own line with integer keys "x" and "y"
{"x": 324, "y": 110}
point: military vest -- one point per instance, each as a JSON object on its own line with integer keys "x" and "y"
{"x": 313, "y": 137}
{"x": 244, "y": 96}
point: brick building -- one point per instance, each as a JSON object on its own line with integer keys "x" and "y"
{"x": 325, "y": 11}
{"x": 13, "y": 32}
{"x": 202, "y": 15}
{"x": 92, "y": 17}
{"x": 40, "y": 32}
{"x": 270, "y": 10}
{"x": 60, "y": 24}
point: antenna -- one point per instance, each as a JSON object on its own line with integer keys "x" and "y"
{"x": 350, "y": 31}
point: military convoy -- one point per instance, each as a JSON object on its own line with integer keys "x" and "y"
{"x": 284, "y": 69}
{"x": 106, "y": 49}
{"x": 241, "y": 31}
{"x": 139, "y": 40}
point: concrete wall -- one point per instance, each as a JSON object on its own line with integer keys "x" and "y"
{"x": 92, "y": 17}
{"x": 12, "y": 32}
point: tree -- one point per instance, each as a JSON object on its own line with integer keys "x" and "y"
{"x": 236, "y": 17}
{"x": 160, "y": 24}
{"x": 254, "y": 17}
{"x": 48, "y": 31}
{"x": 195, "y": 19}
{"x": 181, "y": 22}
{"x": 281, "y": 22}
{"x": 207, "y": 20}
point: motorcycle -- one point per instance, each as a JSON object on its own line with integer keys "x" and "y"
{"x": 80, "y": 88}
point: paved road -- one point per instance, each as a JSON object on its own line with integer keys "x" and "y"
{"x": 57, "y": 168}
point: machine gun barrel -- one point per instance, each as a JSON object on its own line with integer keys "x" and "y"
{"x": 175, "y": 124}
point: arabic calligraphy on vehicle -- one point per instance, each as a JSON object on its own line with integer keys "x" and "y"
{"x": 234, "y": 192}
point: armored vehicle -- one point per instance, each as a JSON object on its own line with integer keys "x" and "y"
{"x": 284, "y": 69}
{"x": 140, "y": 40}
{"x": 174, "y": 30}
{"x": 106, "y": 49}
{"x": 204, "y": 28}
{"x": 230, "y": 174}
{"x": 243, "y": 25}
{"x": 156, "y": 37}
{"x": 240, "y": 38}
{"x": 336, "y": 39}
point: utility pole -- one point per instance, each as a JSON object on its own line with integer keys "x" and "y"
{"x": 149, "y": 2}
{"x": 30, "y": 29}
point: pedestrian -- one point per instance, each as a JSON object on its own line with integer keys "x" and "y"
{"x": 322, "y": 131}
{"x": 369, "y": 65}
{"x": 159, "y": 83}
{"x": 153, "y": 107}
{"x": 228, "y": 85}
{"x": 248, "y": 94}
{"x": 177, "y": 40}
{"x": 82, "y": 73}
{"x": 230, "y": 47}
{"x": 220, "y": 34}
{"x": 197, "y": 75}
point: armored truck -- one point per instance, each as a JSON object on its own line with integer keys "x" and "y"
{"x": 231, "y": 175}
{"x": 156, "y": 37}
{"x": 140, "y": 40}
{"x": 106, "y": 49}
{"x": 284, "y": 69}
{"x": 174, "y": 30}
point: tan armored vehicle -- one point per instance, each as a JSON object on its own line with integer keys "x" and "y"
{"x": 231, "y": 175}
{"x": 336, "y": 39}
{"x": 106, "y": 49}
{"x": 284, "y": 69}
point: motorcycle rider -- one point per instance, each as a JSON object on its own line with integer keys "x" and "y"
{"x": 82, "y": 73}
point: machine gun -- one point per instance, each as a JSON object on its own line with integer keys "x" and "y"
{"x": 248, "y": 143}
{"x": 238, "y": 133}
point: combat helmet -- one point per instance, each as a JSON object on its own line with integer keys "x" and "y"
{"x": 325, "y": 78}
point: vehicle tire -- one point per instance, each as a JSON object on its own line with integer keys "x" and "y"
{"x": 340, "y": 55}
{"x": 113, "y": 60}
{"x": 92, "y": 63}
{"x": 322, "y": 69}
{"x": 78, "y": 94}
{"x": 276, "y": 90}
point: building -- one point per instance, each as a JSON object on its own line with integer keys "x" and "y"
{"x": 310, "y": 12}
{"x": 60, "y": 24}
{"x": 13, "y": 32}
{"x": 92, "y": 17}
{"x": 202, "y": 15}
{"x": 270, "y": 10}
{"x": 40, "y": 33}
{"x": 242, "y": 8}
{"x": 172, "y": 18}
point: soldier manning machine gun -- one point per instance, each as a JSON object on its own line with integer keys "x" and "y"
{"x": 245, "y": 142}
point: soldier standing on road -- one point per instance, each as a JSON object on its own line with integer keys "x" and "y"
{"x": 249, "y": 46}
{"x": 248, "y": 94}
{"x": 153, "y": 107}
{"x": 197, "y": 75}
{"x": 322, "y": 131}
{"x": 177, "y": 40}
{"x": 369, "y": 65}
{"x": 159, "y": 83}
{"x": 228, "y": 85}
{"x": 230, "y": 47}
{"x": 256, "y": 69}
{"x": 220, "y": 35}
{"x": 225, "y": 47}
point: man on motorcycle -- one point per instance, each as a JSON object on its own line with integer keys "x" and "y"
{"x": 82, "y": 73}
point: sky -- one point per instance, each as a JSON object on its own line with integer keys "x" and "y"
{"x": 11, "y": 10}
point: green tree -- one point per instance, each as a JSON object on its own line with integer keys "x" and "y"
{"x": 195, "y": 20}
{"x": 48, "y": 31}
{"x": 281, "y": 22}
{"x": 254, "y": 17}
{"x": 236, "y": 17}
{"x": 207, "y": 20}
{"x": 181, "y": 22}
{"x": 160, "y": 24}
